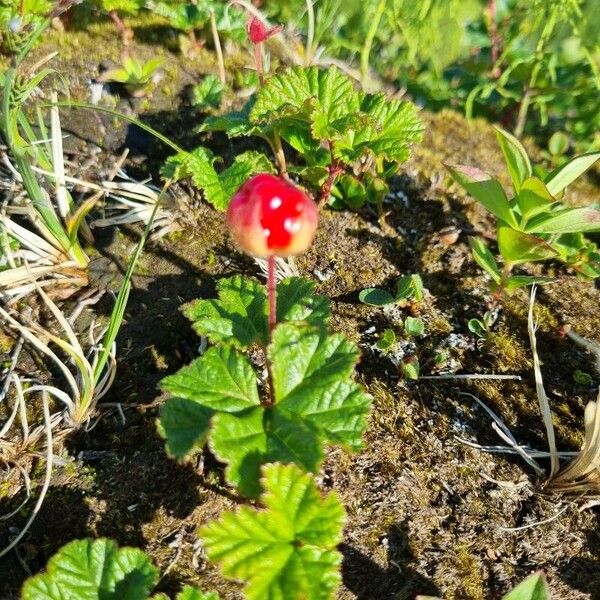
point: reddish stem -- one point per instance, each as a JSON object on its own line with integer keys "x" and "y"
{"x": 272, "y": 292}
{"x": 494, "y": 38}
{"x": 126, "y": 33}
{"x": 258, "y": 61}
{"x": 334, "y": 170}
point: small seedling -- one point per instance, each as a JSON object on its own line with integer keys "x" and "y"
{"x": 408, "y": 289}
{"x": 386, "y": 341}
{"x": 208, "y": 93}
{"x": 414, "y": 327}
{"x": 533, "y": 225}
{"x": 482, "y": 327}
{"x": 411, "y": 368}
{"x": 135, "y": 76}
{"x": 582, "y": 378}
{"x": 535, "y": 587}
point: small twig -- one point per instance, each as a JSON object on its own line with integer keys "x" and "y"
{"x": 218, "y": 49}
{"x": 537, "y": 523}
{"x": 470, "y": 377}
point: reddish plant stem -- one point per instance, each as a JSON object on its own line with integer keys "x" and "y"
{"x": 271, "y": 293}
{"x": 258, "y": 61}
{"x": 126, "y": 33}
{"x": 494, "y": 38}
{"x": 334, "y": 169}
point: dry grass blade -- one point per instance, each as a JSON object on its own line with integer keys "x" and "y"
{"x": 541, "y": 392}
{"x": 582, "y": 474}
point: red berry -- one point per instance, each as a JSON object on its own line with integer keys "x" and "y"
{"x": 258, "y": 32}
{"x": 269, "y": 215}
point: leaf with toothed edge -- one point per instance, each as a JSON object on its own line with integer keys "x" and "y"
{"x": 286, "y": 551}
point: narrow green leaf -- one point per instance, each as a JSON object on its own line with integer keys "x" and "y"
{"x": 569, "y": 220}
{"x": 519, "y": 165}
{"x": 484, "y": 258}
{"x": 518, "y": 247}
{"x": 485, "y": 189}
{"x": 561, "y": 177}
{"x": 518, "y": 281}
{"x": 534, "y": 587}
{"x": 221, "y": 379}
{"x": 91, "y": 569}
{"x": 534, "y": 198}
{"x": 286, "y": 551}
{"x": 190, "y": 593}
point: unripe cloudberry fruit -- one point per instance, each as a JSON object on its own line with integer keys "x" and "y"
{"x": 270, "y": 216}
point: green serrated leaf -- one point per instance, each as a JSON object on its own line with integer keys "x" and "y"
{"x": 184, "y": 424}
{"x": 324, "y": 97}
{"x": 244, "y": 166}
{"x": 286, "y": 551}
{"x": 208, "y": 93}
{"x": 238, "y": 316}
{"x": 297, "y": 301}
{"x": 91, "y": 569}
{"x": 392, "y": 126}
{"x": 249, "y": 440}
{"x": 234, "y": 124}
{"x": 312, "y": 380}
{"x": 534, "y": 587}
{"x": 184, "y": 164}
{"x": 519, "y": 165}
{"x": 221, "y": 380}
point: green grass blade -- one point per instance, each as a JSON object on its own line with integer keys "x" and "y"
{"x": 116, "y": 317}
